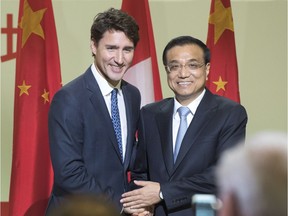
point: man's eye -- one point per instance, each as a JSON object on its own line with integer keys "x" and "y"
{"x": 128, "y": 50}
{"x": 192, "y": 66}
{"x": 111, "y": 48}
{"x": 174, "y": 67}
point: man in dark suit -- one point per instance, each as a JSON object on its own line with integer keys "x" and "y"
{"x": 173, "y": 174}
{"x": 88, "y": 155}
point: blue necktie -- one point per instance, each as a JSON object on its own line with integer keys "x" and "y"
{"x": 183, "y": 112}
{"x": 116, "y": 119}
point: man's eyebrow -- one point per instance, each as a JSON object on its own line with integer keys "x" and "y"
{"x": 129, "y": 47}
{"x": 111, "y": 46}
{"x": 117, "y": 47}
{"x": 189, "y": 60}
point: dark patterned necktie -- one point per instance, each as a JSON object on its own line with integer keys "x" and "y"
{"x": 183, "y": 112}
{"x": 116, "y": 119}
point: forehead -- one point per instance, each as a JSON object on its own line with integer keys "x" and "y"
{"x": 115, "y": 38}
{"x": 185, "y": 52}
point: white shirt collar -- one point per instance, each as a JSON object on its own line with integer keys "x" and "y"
{"x": 192, "y": 106}
{"x": 104, "y": 85}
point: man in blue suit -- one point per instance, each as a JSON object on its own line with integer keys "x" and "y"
{"x": 174, "y": 170}
{"x": 84, "y": 146}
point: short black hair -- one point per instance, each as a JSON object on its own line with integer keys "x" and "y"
{"x": 114, "y": 19}
{"x": 185, "y": 40}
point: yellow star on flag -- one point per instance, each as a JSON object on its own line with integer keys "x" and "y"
{"x": 220, "y": 84}
{"x": 222, "y": 19}
{"x": 24, "y": 88}
{"x": 30, "y": 22}
{"x": 45, "y": 95}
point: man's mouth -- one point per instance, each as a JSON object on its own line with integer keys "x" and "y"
{"x": 184, "y": 83}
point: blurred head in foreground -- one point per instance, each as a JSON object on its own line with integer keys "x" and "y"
{"x": 86, "y": 205}
{"x": 252, "y": 178}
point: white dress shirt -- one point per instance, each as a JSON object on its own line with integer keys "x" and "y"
{"x": 176, "y": 118}
{"x": 106, "y": 89}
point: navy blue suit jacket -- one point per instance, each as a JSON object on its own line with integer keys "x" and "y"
{"x": 83, "y": 147}
{"x": 217, "y": 125}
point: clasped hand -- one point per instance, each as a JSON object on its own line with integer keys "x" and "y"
{"x": 141, "y": 201}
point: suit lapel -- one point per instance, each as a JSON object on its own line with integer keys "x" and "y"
{"x": 164, "y": 123}
{"x": 201, "y": 118}
{"x": 99, "y": 104}
{"x": 129, "y": 116}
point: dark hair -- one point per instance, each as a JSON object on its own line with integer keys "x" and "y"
{"x": 185, "y": 40}
{"x": 114, "y": 19}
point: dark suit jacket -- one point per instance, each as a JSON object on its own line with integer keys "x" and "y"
{"x": 84, "y": 151}
{"x": 218, "y": 124}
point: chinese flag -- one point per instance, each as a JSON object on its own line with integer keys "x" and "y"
{"x": 37, "y": 79}
{"x": 144, "y": 72}
{"x": 223, "y": 77}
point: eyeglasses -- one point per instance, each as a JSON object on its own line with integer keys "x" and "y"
{"x": 190, "y": 66}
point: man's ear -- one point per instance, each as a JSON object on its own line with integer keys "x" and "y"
{"x": 93, "y": 47}
{"x": 230, "y": 206}
{"x": 207, "y": 70}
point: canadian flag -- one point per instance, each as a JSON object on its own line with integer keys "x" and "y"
{"x": 144, "y": 72}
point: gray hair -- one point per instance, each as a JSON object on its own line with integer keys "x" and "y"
{"x": 256, "y": 174}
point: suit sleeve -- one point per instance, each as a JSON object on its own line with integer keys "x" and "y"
{"x": 66, "y": 142}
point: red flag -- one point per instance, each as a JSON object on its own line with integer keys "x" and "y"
{"x": 144, "y": 72}
{"x": 38, "y": 77}
{"x": 223, "y": 77}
